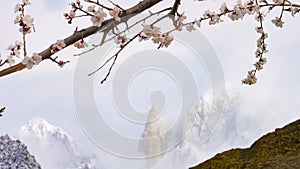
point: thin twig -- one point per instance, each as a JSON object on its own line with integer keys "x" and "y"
{"x": 120, "y": 32}
{"x": 115, "y": 56}
{"x": 116, "y": 5}
{"x": 99, "y": 4}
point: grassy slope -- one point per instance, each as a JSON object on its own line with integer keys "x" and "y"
{"x": 279, "y": 149}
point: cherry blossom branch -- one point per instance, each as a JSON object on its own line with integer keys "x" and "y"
{"x": 60, "y": 63}
{"x": 120, "y": 15}
{"x": 252, "y": 8}
{"x": 78, "y": 35}
{"x": 123, "y": 31}
{"x": 122, "y": 46}
{"x": 260, "y": 51}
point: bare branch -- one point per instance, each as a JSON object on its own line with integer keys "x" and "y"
{"x": 175, "y": 7}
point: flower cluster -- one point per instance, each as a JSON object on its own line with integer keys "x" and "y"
{"x": 294, "y": 10}
{"x": 15, "y": 51}
{"x": 164, "y": 40}
{"x": 25, "y": 21}
{"x": 30, "y": 61}
{"x": 179, "y": 21}
{"x": 190, "y": 27}
{"x": 71, "y": 15}
{"x": 261, "y": 49}
{"x": 60, "y": 63}
{"x": 237, "y": 12}
{"x": 251, "y": 78}
{"x": 240, "y": 10}
{"x": 115, "y": 12}
{"x": 214, "y": 18}
{"x": 59, "y": 45}
{"x": 278, "y": 22}
{"x": 80, "y": 44}
{"x": 97, "y": 15}
{"x": 121, "y": 40}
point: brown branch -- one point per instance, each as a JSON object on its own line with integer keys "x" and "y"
{"x": 175, "y": 7}
{"x": 136, "y": 9}
{"x": 123, "y": 31}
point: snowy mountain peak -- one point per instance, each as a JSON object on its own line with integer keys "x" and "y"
{"x": 42, "y": 128}
{"x": 45, "y": 140}
{"x": 153, "y": 139}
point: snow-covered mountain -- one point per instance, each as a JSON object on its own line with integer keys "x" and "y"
{"x": 210, "y": 126}
{"x": 14, "y": 154}
{"x": 53, "y": 147}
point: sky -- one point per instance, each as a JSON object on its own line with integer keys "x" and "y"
{"x": 47, "y": 90}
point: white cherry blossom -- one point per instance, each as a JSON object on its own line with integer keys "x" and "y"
{"x": 278, "y": 1}
{"x": 10, "y": 60}
{"x": 167, "y": 40}
{"x": 223, "y": 8}
{"x": 115, "y": 13}
{"x": 18, "y": 7}
{"x": 28, "y": 20}
{"x": 59, "y": 45}
{"x": 91, "y": 8}
{"x": 15, "y": 49}
{"x": 28, "y": 61}
{"x": 294, "y": 11}
{"x": 98, "y": 17}
{"x": 158, "y": 39}
{"x": 278, "y": 22}
{"x": 26, "y": 2}
{"x": 36, "y": 58}
{"x": 251, "y": 78}
{"x": 80, "y": 44}
{"x": 17, "y": 19}
{"x": 72, "y": 14}
{"x": 190, "y": 27}
{"x": 198, "y": 22}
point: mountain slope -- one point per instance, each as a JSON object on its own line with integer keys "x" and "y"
{"x": 14, "y": 154}
{"x": 279, "y": 149}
